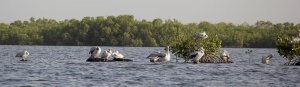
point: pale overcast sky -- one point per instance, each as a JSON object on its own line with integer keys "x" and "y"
{"x": 186, "y": 11}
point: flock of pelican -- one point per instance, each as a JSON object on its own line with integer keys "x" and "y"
{"x": 96, "y": 56}
{"x": 155, "y": 57}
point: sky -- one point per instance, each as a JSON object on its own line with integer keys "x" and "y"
{"x": 186, "y": 11}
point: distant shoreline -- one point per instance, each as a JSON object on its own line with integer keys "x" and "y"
{"x": 125, "y": 30}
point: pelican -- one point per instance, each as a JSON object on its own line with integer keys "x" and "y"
{"x": 197, "y": 55}
{"x": 295, "y": 39}
{"x": 117, "y": 55}
{"x": 224, "y": 55}
{"x": 201, "y": 35}
{"x": 95, "y": 52}
{"x": 106, "y": 54}
{"x": 266, "y": 59}
{"x": 248, "y": 51}
{"x": 160, "y": 57}
{"x": 24, "y": 54}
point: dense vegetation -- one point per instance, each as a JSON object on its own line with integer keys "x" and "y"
{"x": 125, "y": 30}
{"x": 289, "y": 48}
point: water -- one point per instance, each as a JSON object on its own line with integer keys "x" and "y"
{"x": 65, "y": 66}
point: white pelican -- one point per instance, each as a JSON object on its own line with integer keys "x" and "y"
{"x": 197, "y": 55}
{"x": 95, "y": 52}
{"x": 225, "y": 55}
{"x": 295, "y": 39}
{"x": 117, "y": 55}
{"x": 266, "y": 59}
{"x": 161, "y": 57}
{"x": 106, "y": 54}
{"x": 24, "y": 54}
{"x": 201, "y": 35}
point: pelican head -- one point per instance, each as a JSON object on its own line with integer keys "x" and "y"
{"x": 266, "y": 59}
{"x": 203, "y": 35}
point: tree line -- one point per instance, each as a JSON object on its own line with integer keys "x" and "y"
{"x": 125, "y": 30}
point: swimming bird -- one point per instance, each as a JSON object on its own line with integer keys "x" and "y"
{"x": 117, "y": 55}
{"x": 161, "y": 57}
{"x": 248, "y": 51}
{"x": 197, "y": 55}
{"x": 106, "y": 54}
{"x": 95, "y": 52}
{"x": 266, "y": 59}
{"x": 24, "y": 54}
{"x": 225, "y": 56}
{"x": 155, "y": 56}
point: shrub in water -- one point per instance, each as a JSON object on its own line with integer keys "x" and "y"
{"x": 187, "y": 43}
{"x": 289, "y": 48}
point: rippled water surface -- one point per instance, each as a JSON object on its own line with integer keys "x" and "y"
{"x": 65, "y": 66}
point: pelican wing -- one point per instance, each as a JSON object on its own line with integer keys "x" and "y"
{"x": 161, "y": 54}
{"x": 92, "y": 50}
{"x": 20, "y": 54}
{"x": 156, "y": 54}
{"x": 193, "y": 54}
{"x": 117, "y": 55}
{"x": 154, "y": 59}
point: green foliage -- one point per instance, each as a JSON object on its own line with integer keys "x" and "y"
{"x": 212, "y": 45}
{"x": 289, "y": 50}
